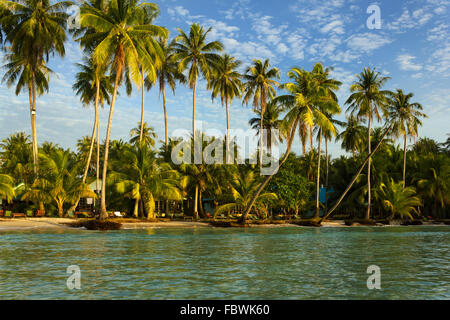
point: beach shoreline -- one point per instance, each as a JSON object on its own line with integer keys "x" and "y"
{"x": 62, "y": 223}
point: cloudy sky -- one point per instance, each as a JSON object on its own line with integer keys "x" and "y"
{"x": 412, "y": 47}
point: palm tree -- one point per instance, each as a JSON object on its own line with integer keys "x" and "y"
{"x": 434, "y": 185}
{"x": 271, "y": 121}
{"x": 260, "y": 86}
{"x": 6, "y": 187}
{"x": 226, "y": 83}
{"x": 243, "y": 185}
{"x": 58, "y": 180}
{"x": 35, "y": 30}
{"x": 93, "y": 86}
{"x": 16, "y": 157}
{"x": 353, "y": 136}
{"x": 326, "y": 106}
{"x": 119, "y": 43}
{"x": 399, "y": 200}
{"x": 168, "y": 74}
{"x": 194, "y": 52}
{"x": 143, "y": 134}
{"x": 328, "y": 136}
{"x": 145, "y": 18}
{"x": 198, "y": 176}
{"x": 366, "y": 101}
{"x": 139, "y": 176}
{"x": 405, "y": 115}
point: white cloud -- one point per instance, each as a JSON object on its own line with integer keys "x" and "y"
{"x": 406, "y": 63}
{"x": 367, "y": 42}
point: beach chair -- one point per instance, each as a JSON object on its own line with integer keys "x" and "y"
{"x": 29, "y": 213}
{"x": 8, "y": 214}
{"x": 117, "y": 214}
{"x": 40, "y": 213}
{"x": 1, "y": 213}
{"x": 18, "y": 215}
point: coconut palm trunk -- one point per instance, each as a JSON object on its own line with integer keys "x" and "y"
{"x": 97, "y": 167}
{"x": 142, "y": 107}
{"x": 103, "y": 213}
{"x": 193, "y": 108}
{"x": 404, "y": 162}
{"x": 91, "y": 148}
{"x": 196, "y": 202}
{"x": 227, "y": 149}
{"x": 33, "y": 126}
{"x": 165, "y": 117}
{"x": 267, "y": 179}
{"x": 368, "y": 171}
{"x": 356, "y": 175}
{"x": 326, "y": 162}
{"x": 261, "y": 133}
{"x": 317, "y": 214}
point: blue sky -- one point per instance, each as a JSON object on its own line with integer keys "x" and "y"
{"x": 412, "y": 47}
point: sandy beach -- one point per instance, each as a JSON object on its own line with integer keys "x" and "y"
{"x": 61, "y": 223}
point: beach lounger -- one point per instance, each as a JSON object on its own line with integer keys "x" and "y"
{"x": 40, "y": 213}
{"x": 29, "y": 213}
{"x": 18, "y": 215}
{"x": 1, "y": 213}
{"x": 8, "y": 214}
{"x": 117, "y": 214}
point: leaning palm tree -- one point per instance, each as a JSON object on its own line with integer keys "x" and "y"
{"x": 260, "y": 85}
{"x": 118, "y": 43}
{"x": 406, "y": 116}
{"x": 168, "y": 74}
{"x": 194, "y": 52}
{"x": 226, "y": 83}
{"x": 143, "y": 134}
{"x": 35, "y": 30}
{"x": 366, "y": 101}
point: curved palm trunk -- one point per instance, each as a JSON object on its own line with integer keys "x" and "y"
{"x": 368, "y": 174}
{"x": 142, "y": 108}
{"x": 356, "y": 176}
{"x": 163, "y": 89}
{"x": 103, "y": 213}
{"x": 404, "y": 162}
{"x": 317, "y": 214}
{"x": 267, "y": 179}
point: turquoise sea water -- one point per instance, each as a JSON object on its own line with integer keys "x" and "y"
{"x": 259, "y": 263}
